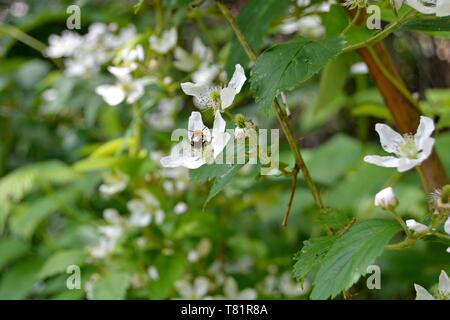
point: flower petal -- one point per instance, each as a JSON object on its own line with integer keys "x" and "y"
{"x": 444, "y": 283}
{"x": 406, "y": 164}
{"x": 123, "y": 74}
{"x": 195, "y": 122}
{"x": 416, "y": 226}
{"x": 424, "y": 131}
{"x": 389, "y": 161}
{"x": 389, "y": 138}
{"x": 136, "y": 93}
{"x": 447, "y": 225}
{"x": 219, "y": 142}
{"x": 226, "y": 97}
{"x": 219, "y": 124}
{"x": 422, "y": 293}
{"x": 238, "y": 79}
{"x": 417, "y": 4}
{"x": 194, "y": 89}
{"x": 442, "y": 8}
{"x": 427, "y": 148}
{"x": 113, "y": 95}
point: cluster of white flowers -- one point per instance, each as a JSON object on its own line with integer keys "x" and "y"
{"x": 109, "y": 234}
{"x": 113, "y": 182}
{"x": 199, "y": 62}
{"x": 420, "y": 228}
{"x": 144, "y": 210}
{"x": 310, "y": 26}
{"x": 283, "y": 284}
{"x": 85, "y": 54}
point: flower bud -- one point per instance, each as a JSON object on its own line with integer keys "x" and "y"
{"x": 386, "y": 199}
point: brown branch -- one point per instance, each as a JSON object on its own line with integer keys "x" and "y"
{"x": 291, "y": 198}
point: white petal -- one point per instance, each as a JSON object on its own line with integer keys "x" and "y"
{"x": 424, "y": 131}
{"x": 193, "y": 162}
{"x": 194, "y": 89}
{"x": 123, "y": 74}
{"x": 422, "y": 293}
{"x": 201, "y": 51}
{"x": 238, "y": 79}
{"x": 417, "y": 4}
{"x": 201, "y": 286}
{"x": 226, "y": 97}
{"x": 416, "y": 226}
{"x": 219, "y": 142}
{"x": 447, "y": 225}
{"x": 183, "y": 61}
{"x": 442, "y": 8}
{"x": 389, "y": 138}
{"x": 389, "y": 162}
{"x": 113, "y": 95}
{"x": 170, "y": 162}
{"x": 406, "y": 164}
{"x": 195, "y": 122}
{"x": 427, "y": 148}
{"x": 206, "y": 74}
{"x": 219, "y": 124}
{"x": 444, "y": 283}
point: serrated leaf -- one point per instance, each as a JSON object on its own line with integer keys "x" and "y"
{"x": 112, "y": 286}
{"x": 350, "y": 256}
{"x": 334, "y": 219}
{"x": 311, "y": 255}
{"x": 285, "y": 66}
{"x": 59, "y": 262}
{"x": 254, "y": 20}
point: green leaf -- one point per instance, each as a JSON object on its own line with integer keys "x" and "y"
{"x": 311, "y": 255}
{"x": 19, "y": 280}
{"x": 59, "y": 262}
{"x": 350, "y": 256}
{"x": 170, "y": 268}
{"x": 112, "y": 286}
{"x": 285, "y": 66}
{"x": 335, "y": 219}
{"x": 11, "y": 249}
{"x": 427, "y": 24}
{"x": 345, "y": 152}
{"x": 222, "y": 180}
{"x": 27, "y": 216}
{"x": 254, "y": 21}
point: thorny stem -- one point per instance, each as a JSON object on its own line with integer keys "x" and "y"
{"x": 282, "y": 118}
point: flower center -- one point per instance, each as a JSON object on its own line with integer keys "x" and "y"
{"x": 211, "y": 98}
{"x": 408, "y": 149}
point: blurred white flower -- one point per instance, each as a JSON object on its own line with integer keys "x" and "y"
{"x": 125, "y": 89}
{"x": 163, "y": 117}
{"x": 144, "y": 209}
{"x": 216, "y": 97}
{"x": 180, "y": 208}
{"x": 112, "y": 216}
{"x": 202, "y": 146}
{"x": 409, "y": 150}
{"x": 359, "y": 68}
{"x": 290, "y": 288}
{"x": 231, "y": 291}
{"x": 386, "y": 199}
{"x": 113, "y": 182}
{"x": 309, "y": 26}
{"x": 415, "y": 226}
{"x": 199, "y": 62}
{"x": 107, "y": 241}
{"x": 129, "y": 59}
{"x": 443, "y": 289}
{"x": 64, "y": 45}
{"x": 153, "y": 273}
{"x": 193, "y": 291}
{"x": 440, "y": 8}
{"x": 165, "y": 42}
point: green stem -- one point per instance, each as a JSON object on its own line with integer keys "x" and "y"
{"x": 407, "y": 243}
{"x": 280, "y": 114}
{"x": 21, "y": 36}
{"x": 352, "y": 22}
{"x": 402, "y": 223}
{"x": 382, "y": 34}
